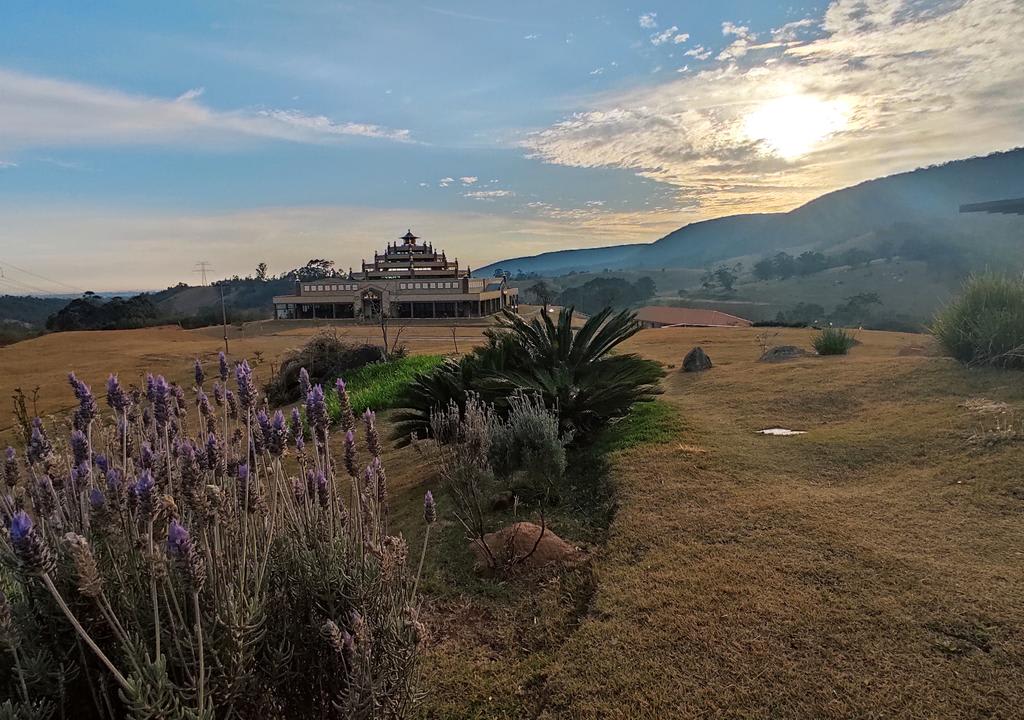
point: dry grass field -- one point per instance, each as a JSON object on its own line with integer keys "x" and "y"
{"x": 873, "y": 567}
{"x": 44, "y": 362}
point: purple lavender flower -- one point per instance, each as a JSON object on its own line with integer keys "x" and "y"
{"x": 10, "y": 468}
{"x": 181, "y": 548}
{"x": 350, "y": 454}
{"x": 214, "y": 456}
{"x": 372, "y": 437}
{"x": 117, "y": 398}
{"x": 275, "y": 434}
{"x": 79, "y": 447}
{"x": 142, "y": 491}
{"x": 347, "y": 418}
{"x": 382, "y": 482}
{"x": 114, "y": 481}
{"x": 87, "y": 409}
{"x": 39, "y": 447}
{"x": 205, "y": 409}
{"x": 222, "y": 361}
{"x": 429, "y": 508}
{"x": 295, "y": 429}
{"x": 246, "y": 385}
{"x": 190, "y": 471}
{"x": 218, "y": 394}
{"x": 200, "y": 376}
{"x": 232, "y": 404}
{"x": 147, "y": 458}
{"x": 321, "y": 489}
{"x": 80, "y": 475}
{"x": 97, "y": 500}
{"x": 316, "y": 411}
{"x": 304, "y": 384}
{"x": 33, "y": 555}
{"x": 161, "y": 401}
{"x": 101, "y": 462}
{"x": 150, "y": 387}
{"x": 179, "y": 398}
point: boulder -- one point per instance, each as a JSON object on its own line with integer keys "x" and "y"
{"x": 521, "y": 545}
{"x": 696, "y": 360}
{"x": 780, "y": 353}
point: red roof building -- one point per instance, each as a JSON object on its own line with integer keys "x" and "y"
{"x": 656, "y": 316}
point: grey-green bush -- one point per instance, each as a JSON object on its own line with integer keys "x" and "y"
{"x": 984, "y": 324}
{"x": 527, "y": 444}
{"x": 832, "y": 341}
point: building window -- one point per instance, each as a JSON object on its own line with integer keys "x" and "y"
{"x": 419, "y": 286}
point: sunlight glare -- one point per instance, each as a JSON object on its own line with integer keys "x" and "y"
{"x": 793, "y": 125}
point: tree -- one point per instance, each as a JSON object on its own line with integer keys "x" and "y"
{"x": 645, "y": 288}
{"x": 261, "y": 272}
{"x": 857, "y": 308}
{"x": 722, "y": 277}
{"x": 764, "y": 269}
{"x": 857, "y": 256}
{"x": 811, "y": 262}
{"x": 784, "y": 265}
{"x": 543, "y": 292}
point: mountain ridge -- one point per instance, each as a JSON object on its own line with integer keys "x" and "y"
{"x": 924, "y": 195}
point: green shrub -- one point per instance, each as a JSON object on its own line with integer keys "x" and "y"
{"x": 326, "y": 357}
{"x": 574, "y": 371}
{"x": 528, "y": 444}
{"x": 380, "y": 384}
{"x": 984, "y": 325}
{"x": 833, "y": 341}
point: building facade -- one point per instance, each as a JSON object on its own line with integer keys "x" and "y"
{"x": 409, "y": 280}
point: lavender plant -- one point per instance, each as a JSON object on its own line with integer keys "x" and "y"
{"x": 197, "y": 561}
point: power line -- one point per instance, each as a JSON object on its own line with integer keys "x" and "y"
{"x": 201, "y": 267}
{"x": 23, "y": 287}
{"x": 41, "y": 277}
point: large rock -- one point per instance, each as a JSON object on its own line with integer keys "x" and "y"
{"x": 521, "y": 545}
{"x": 696, "y": 360}
{"x": 781, "y": 353}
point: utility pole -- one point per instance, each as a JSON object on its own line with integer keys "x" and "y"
{"x": 201, "y": 267}
{"x": 224, "y": 321}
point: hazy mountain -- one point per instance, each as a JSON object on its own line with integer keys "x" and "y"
{"x": 922, "y": 201}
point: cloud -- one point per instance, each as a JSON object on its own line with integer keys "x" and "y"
{"x": 487, "y": 194}
{"x": 40, "y": 111}
{"x": 531, "y": 36}
{"x": 664, "y": 36}
{"x": 647, "y": 21}
{"x": 597, "y": 71}
{"x": 468, "y": 179}
{"x": 889, "y": 85}
{"x": 445, "y": 181}
{"x": 681, "y": 38}
{"x": 700, "y": 52}
{"x": 7, "y": 164}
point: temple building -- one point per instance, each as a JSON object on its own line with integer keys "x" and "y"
{"x": 408, "y": 280}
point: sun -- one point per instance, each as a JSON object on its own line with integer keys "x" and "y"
{"x": 793, "y": 125}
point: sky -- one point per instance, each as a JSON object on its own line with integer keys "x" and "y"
{"x": 137, "y": 139}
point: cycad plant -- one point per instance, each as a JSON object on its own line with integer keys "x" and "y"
{"x": 196, "y": 560}
{"x": 574, "y": 370}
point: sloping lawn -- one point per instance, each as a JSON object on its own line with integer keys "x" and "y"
{"x": 873, "y": 567}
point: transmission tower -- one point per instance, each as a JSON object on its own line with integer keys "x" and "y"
{"x": 201, "y": 267}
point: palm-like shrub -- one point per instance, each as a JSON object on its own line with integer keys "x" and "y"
{"x": 574, "y": 371}
{"x": 244, "y": 571}
{"x": 832, "y": 341}
{"x": 984, "y": 325}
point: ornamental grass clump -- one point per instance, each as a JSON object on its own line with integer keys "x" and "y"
{"x": 984, "y": 325}
{"x": 833, "y": 341}
{"x": 190, "y": 560}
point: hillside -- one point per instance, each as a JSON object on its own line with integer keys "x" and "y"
{"x": 29, "y": 310}
{"x": 924, "y": 201}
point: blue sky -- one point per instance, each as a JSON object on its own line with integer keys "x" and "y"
{"x": 137, "y": 138}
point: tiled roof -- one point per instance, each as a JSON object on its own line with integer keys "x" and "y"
{"x": 665, "y": 315}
